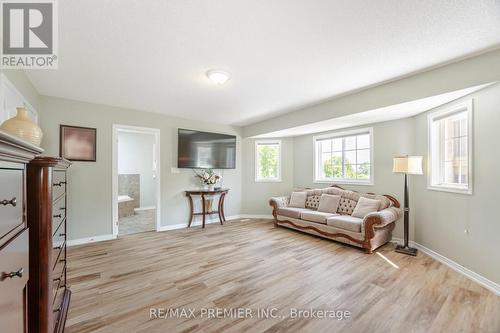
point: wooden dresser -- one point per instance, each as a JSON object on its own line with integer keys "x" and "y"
{"x": 14, "y": 235}
{"x": 48, "y": 294}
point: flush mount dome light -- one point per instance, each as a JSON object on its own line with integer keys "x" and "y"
{"x": 218, "y": 76}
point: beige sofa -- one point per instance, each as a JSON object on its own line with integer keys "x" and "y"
{"x": 370, "y": 232}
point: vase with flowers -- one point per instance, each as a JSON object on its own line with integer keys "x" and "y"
{"x": 208, "y": 178}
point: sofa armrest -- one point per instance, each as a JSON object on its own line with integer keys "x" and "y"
{"x": 277, "y": 202}
{"x": 380, "y": 219}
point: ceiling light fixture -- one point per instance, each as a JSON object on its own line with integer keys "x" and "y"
{"x": 218, "y": 76}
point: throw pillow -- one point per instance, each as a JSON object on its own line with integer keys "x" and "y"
{"x": 328, "y": 203}
{"x": 365, "y": 206}
{"x": 298, "y": 200}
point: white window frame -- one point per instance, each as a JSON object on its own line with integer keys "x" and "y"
{"x": 343, "y": 181}
{"x": 256, "y": 164}
{"x": 431, "y": 118}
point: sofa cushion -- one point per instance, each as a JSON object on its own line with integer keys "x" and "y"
{"x": 346, "y": 206}
{"x": 314, "y": 216}
{"x": 291, "y": 211}
{"x": 312, "y": 201}
{"x": 349, "y": 196}
{"x": 298, "y": 199}
{"x": 329, "y": 203}
{"x": 345, "y": 222}
{"x": 365, "y": 206}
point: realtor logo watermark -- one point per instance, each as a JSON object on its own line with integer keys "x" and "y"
{"x": 29, "y": 34}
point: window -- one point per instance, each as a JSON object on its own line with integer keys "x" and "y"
{"x": 450, "y": 148}
{"x": 344, "y": 157}
{"x": 268, "y": 161}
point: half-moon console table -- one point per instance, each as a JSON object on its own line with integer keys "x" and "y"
{"x": 203, "y": 194}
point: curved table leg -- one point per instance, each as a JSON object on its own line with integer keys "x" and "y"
{"x": 204, "y": 211}
{"x": 223, "y": 197}
{"x": 191, "y": 208}
{"x": 219, "y": 208}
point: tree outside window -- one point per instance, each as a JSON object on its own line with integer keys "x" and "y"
{"x": 267, "y": 158}
{"x": 344, "y": 157}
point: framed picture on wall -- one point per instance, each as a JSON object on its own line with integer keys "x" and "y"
{"x": 77, "y": 143}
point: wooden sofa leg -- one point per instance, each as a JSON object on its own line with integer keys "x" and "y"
{"x": 368, "y": 251}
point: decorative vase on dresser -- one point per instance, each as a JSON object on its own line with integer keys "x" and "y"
{"x": 23, "y": 127}
{"x": 14, "y": 234}
{"x": 48, "y": 294}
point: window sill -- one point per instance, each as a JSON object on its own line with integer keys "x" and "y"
{"x": 449, "y": 189}
{"x": 268, "y": 180}
{"x": 344, "y": 182}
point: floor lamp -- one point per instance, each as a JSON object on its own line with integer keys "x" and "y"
{"x": 409, "y": 165}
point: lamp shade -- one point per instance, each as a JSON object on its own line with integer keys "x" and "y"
{"x": 411, "y": 165}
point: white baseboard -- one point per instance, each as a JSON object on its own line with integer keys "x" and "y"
{"x": 253, "y": 216}
{"x": 214, "y": 220}
{"x": 488, "y": 284}
{"x": 138, "y": 209}
{"x": 88, "y": 240}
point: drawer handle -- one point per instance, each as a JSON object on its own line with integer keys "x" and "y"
{"x": 12, "y": 202}
{"x": 62, "y": 235}
{"x": 60, "y": 184}
{"x": 57, "y": 216}
{"x": 57, "y": 279}
{"x": 58, "y": 247}
{"x": 62, "y": 208}
{"x": 12, "y": 275}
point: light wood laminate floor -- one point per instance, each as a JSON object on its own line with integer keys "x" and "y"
{"x": 250, "y": 264}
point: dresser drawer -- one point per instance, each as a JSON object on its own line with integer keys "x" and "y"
{"x": 59, "y": 208}
{"x": 59, "y": 235}
{"x": 11, "y": 201}
{"x": 57, "y": 218}
{"x": 58, "y": 255}
{"x": 14, "y": 266}
{"x": 58, "y": 184}
{"x": 58, "y": 281}
{"x": 57, "y": 273}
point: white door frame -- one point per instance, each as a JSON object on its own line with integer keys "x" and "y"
{"x": 141, "y": 130}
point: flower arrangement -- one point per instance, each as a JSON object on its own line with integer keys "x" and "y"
{"x": 208, "y": 177}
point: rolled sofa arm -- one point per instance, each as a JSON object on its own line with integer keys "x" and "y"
{"x": 380, "y": 219}
{"x": 277, "y": 202}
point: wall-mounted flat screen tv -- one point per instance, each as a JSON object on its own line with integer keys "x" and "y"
{"x": 204, "y": 150}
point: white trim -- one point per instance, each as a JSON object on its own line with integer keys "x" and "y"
{"x": 252, "y": 216}
{"x": 481, "y": 280}
{"x": 344, "y": 182}
{"x": 467, "y": 106}
{"x": 138, "y": 209}
{"x": 256, "y": 162}
{"x": 88, "y": 240}
{"x": 358, "y": 131}
{"x": 114, "y": 182}
{"x": 5, "y": 82}
{"x": 215, "y": 220}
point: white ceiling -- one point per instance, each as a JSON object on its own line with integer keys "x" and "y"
{"x": 282, "y": 54}
{"x": 397, "y": 111}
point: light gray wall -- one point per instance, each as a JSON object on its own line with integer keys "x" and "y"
{"x": 135, "y": 156}
{"x": 89, "y": 189}
{"x": 393, "y": 138}
{"x": 256, "y": 194}
{"x": 470, "y": 72}
{"x": 24, "y": 85}
{"x": 442, "y": 218}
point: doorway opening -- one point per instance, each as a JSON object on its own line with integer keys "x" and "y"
{"x": 136, "y": 179}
